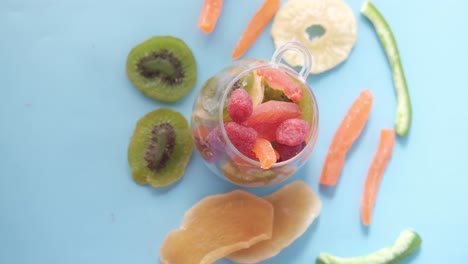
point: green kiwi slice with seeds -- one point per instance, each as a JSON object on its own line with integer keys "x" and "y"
{"x": 160, "y": 148}
{"x": 163, "y": 68}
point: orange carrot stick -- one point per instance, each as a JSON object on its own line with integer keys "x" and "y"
{"x": 264, "y": 152}
{"x": 255, "y": 27}
{"x": 348, "y": 131}
{"x": 209, "y": 15}
{"x": 375, "y": 173}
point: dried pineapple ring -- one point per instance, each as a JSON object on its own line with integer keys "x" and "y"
{"x": 335, "y": 16}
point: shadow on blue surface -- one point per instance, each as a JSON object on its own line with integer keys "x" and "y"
{"x": 411, "y": 258}
{"x": 327, "y": 191}
{"x": 365, "y": 229}
{"x": 404, "y": 140}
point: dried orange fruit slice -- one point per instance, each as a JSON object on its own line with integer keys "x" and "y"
{"x": 264, "y": 152}
{"x": 296, "y": 206}
{"x": 217, "y": 226}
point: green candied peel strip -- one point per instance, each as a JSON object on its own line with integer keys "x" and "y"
{"x": 404, "y": 112}
{"x": 406, "y": 244}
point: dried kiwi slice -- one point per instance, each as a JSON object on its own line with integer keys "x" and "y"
{"x": 210, "y": 100}
{"x": 162, "y": 68}
{"x": 276, "y": 95}
{"x": 160, "y": 148}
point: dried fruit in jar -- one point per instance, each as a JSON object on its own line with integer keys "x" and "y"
{"x": 292, "y": 132}
{"x": 240, "y": 105}
{"x": 242, "y": 137}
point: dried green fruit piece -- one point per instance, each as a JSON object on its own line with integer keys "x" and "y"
{"x": 406, "y": 244}
{"x": 276, "y": 95}
{"x": 162, "y": 68}
{"x": 160, "y": 148}
{"x": 209, "y": 99}
{"x": 385, "y": 34}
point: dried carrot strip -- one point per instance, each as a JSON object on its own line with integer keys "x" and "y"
{"x": 375, "y": 173}
{"x": 209, "y": 15}
{"x": 348, "y": 131}
{"x": 255, "y": 27}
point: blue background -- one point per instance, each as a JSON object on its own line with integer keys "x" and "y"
{"x": 67, "y": 112}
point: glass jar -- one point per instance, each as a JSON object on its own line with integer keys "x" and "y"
{"x": 210, "y": 115}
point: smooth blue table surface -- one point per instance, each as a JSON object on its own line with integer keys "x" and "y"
{"x": 67, "y": 112}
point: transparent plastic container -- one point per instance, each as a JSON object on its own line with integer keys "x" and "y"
{"x": 210, "y": 115}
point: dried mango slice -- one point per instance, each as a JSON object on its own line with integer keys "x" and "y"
{"x": 337, "y": 19}
{"x": 217, "y": 226}
{"x": 296, "y": 206}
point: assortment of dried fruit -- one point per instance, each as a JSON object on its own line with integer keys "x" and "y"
{"x": 256, "y": 130}
{"x": 266, "y": 119}
{"x": 254, "y": 125}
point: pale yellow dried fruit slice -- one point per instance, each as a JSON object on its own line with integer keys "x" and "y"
{"x": 337, "y": 19}
{"x": 296, "y": 206}
{"x": 257, "y": 90}
{"x": 217, "y": 226}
